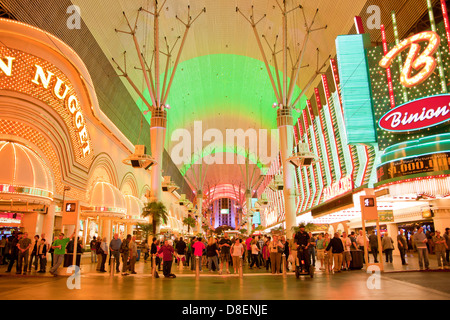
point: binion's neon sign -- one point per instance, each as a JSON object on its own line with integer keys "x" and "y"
{"x": 424, "y": 63}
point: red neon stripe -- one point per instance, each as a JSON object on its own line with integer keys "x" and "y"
{"x": 446, "y": 21}
{"x": 327, "y": 96}
{"x": 319, "y": 107}
{"x": 388, "y": 70}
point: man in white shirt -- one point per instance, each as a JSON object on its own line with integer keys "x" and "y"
{"x": 420, "y": 240}
{"x": 360, "y": 242}
{"x": 347, "y": 257}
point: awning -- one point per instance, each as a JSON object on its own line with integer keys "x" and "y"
{"x": 106, "y": 201}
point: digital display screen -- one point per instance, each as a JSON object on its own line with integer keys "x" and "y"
{"x": 224, "y": 211}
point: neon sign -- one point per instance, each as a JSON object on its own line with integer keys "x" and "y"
{"x": 51, "y": 79}
{"x": 424, "y": 63}
{"x": 338, "y": 188}
{"x": 417, "y": 114}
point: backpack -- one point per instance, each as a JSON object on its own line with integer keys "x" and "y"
{"x": 98, "y": 248}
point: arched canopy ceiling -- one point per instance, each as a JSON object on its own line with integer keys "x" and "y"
{"x": 221, "y": 81}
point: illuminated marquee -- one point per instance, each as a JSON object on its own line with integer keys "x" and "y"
{"x": 424, "y": 63}
{"x": 417, "y": 114}
{"x": 44, "y": 78}
{"x": 338, "y": 188}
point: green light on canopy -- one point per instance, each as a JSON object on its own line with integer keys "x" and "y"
{"x": 221, "y": 84}
{"x": 223, "y": 149}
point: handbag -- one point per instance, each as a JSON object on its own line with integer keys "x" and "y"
{"x": 280, "y": 249}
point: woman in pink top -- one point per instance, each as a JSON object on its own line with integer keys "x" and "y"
{"x": 198, "y": 246}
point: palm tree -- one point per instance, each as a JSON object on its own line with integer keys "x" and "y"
{"x": 243, "y": 231}
{"x": 157, "y": 211}
{"x": 146, "y": 228}
{"x": 189, "y": 222}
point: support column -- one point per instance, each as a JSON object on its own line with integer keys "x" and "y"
{"x": 85, "y": 232}
{"x": 441, "y": 214}
{"x": 29, "y": 223}
{"x": 248, "y": 201}
{"x": 392, "y": 230}
{"x": 286, "y": 134}
{"x": 49, "y": 223}
{"x": 199, "y": 210}
{"x": 107, "y": 228}
{"x": 158, "y": 125}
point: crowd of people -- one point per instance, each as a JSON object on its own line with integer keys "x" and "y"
{"x": 222, "y": 255}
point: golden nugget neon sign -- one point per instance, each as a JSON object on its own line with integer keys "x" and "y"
{"x": 61, "y": 91}
{"x": 424, "y": 63}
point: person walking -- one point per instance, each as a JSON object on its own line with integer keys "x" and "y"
{"x": 225, "y": 246}
{"x": 320, "y": 251}
{"x": 388, "y": 246}
{"x": 13, "y": 251}
{"x": 303, "y": 240}
{"x": 114, "y": 248}
{"x": 260, "y": 244}
{"x": 266, "y": 254}
{"x": 275, "y": 249}
{"x": 212, "y": 253}
{"x": 328, "y": 255}
{"x": 180, "y": 248}
{"x": 198, "y": 247}
{"x": 236, "y": 250}
{"x": 24, "y": 247}
{"x": 255, "y": 254}
{"x": 420, "y": 241}
{"x": 103, "y": 252}
{"x": 248, "y": 246}
{"x": 133, "y": 254}
{"x": 42, "y": 255}
{"x": 145, "y": 250}
{"x": 337, "y": 249}
{"x": 93, "y": 247}
{"x": 402, "y": 245}
{"x": 99, "y": 252}
{"x": 125, "y": 252}
{"x": 292, "y": 259}
{"x": 361, "y": 239}
{"x": 312, "y": 249}
{"x": 440, "y": 246}
{"x": 59, "y": 247}
{"x": 373, "y": 245}
{"x": 167, "y": 252}
{"x": 34, "y": 254}
{"x": 447, "y": 241}
{"x": 346, "y": 255}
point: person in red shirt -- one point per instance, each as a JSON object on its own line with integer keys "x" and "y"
{"x": 167, "y": 251}
{"x": 249, "y": 249}
{"x": 198, "y": 246}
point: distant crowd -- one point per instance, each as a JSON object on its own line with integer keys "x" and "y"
{"x": 223, "y": 255}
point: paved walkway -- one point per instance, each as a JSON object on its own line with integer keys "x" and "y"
{"x": 397, "y": 282}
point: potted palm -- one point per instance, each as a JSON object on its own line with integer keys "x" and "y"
{"x": 146, "y": 228}
{"x": 157, "y": 211}
{"x": 189, "y": 222}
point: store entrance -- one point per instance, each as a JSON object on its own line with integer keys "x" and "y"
{"x": 411, "y": 228}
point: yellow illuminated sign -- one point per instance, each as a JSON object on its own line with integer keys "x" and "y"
{"x": 58, "y": 93}
{"x": 424, "y": 63}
